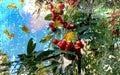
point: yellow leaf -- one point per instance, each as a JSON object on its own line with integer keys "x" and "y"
{"x": 47, "y": 38}
{"x": 10, "y": 36}
{"x": 6, "y": 32}
{"x": 57, "y": 24}
{"x": 21, "y": 2}
{"x": 69, "y": 36}
{"x": 12, "y": 5}
{"x": 25, "y": 29}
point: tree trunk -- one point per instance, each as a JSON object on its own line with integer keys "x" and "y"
{"x": 79, "y": 64}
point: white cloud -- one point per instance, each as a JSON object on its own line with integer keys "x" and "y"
{"x": 36, "y": 23}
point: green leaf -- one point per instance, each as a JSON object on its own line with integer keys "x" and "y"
{"x": 44, "y": 54}
{"x": 22, "y": 57}
{"x": 65, "y": 17}
{"x": 48, "y": 17}
{"x": 82, "y": 29}
{"x": 31, "y": 46}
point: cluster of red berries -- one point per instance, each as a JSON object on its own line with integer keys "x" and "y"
{"x": 57, "y": 11}
{"x": 71, "y": 2}
{"x": 114, "y": 16}
{"x": 112, "y": 21}
{"x": 56, "y": 8}
{"x": 64, "y": 45}
{"x": 114, "y": 31}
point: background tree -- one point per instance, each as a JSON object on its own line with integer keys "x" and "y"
{"x": 4, "y": 64}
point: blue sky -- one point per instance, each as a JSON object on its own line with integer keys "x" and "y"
{"x": 12, "y": 20}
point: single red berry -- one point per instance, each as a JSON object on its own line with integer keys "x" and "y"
{"x": 69, "y": 46}
{"x": 114, "y": 32}
{"x": 112, "y": 21}
{"x": 61, "y": 5}
{"x": 72, "y": 2}
{"x": 114, "y": 15}
{"x": 67, "y": 1}
{"x": 51, "y": 24}
{"x": 52, "y": 11}
{"x": 72, "y": 26}
{"x": 81, "y": 46}
{"x": 77, "y": 47}
{"x": 118, "y": 10}
{"x": 60, "y": 21}
{"x": 50, "y": 6}
{"x": 53, "y": 29}
{"x": 54, "y": 16}
{"x": 67, "y": 26}
{"x": 79, "y": 43}
{"x": 59, "y": 44}
{"x": 62, "y": 44}
{"x": 55, "y": 41}
{"x": 61, "y": 12}
{"x": 64, "y": 24}
{"x": 59, "y": 18}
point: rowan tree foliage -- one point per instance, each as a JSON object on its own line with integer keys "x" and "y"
{"x": 83, "y": 35}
